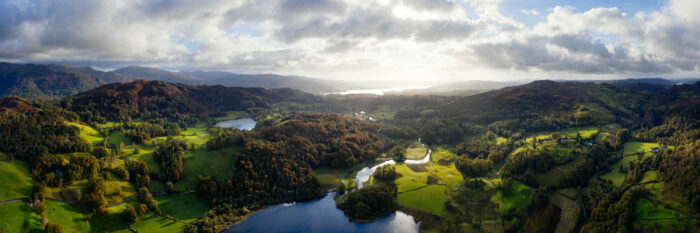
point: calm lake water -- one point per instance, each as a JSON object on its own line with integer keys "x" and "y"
{"x": 321, "y": 215}
{"x": 242, "y": 124}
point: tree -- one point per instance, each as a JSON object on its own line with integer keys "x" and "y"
{"x": 170, "y": 187}
{"x": 387, "y": 172}
{"x": 53, "y": 228}
{"x": 398, "y": 153}
{"x": 143, "y": 209}
{"x": 40, "y": 208}
{"x": 145, "y": 197}
{"x": 341, "y": 188}
{"x": 100, "y": 152}
{"x": 130, "y": 215}
{"x": 94, "y": 193}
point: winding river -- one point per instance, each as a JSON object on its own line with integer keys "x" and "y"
{"x": 321, "y": 215}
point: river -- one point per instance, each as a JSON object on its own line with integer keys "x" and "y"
{"x": 321, "y": 215}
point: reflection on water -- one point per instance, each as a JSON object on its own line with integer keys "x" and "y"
{"x": 377, "y": 91}
{"x": 364, "y": 174}
{"x": 319, "y": 215}
{"x": 242, "y": 124}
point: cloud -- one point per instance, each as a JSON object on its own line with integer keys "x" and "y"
{"x": 361, "y": 22}
{"x": 530, "y": 12}
{"x": 343, "y": 38}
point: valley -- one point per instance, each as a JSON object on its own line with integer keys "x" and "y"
{"x": 195, "y": 159}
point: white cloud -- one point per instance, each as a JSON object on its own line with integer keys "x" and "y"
{"x": 530, "y": 12}
{"x": 400, "y": 39}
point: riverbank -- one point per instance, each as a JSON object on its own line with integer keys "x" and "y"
{"x": 426, "y": 221}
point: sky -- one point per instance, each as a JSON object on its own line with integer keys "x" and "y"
{"x": 408, "y": 41}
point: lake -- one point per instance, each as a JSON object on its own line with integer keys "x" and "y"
{"x": 321, "y": 215}
{"x": 242, "y": 124}
{"x": 376, "y": 91}
{"x": 318, "y": 216}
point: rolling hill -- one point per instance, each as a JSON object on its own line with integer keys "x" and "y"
{"x": 152, "y": 99}
{"x": 45, "y": 81}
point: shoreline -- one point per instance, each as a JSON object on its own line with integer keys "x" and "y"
{"x": 425, "y": 220}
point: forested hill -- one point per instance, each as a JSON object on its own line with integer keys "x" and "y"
{"x": 586, "y": 101}
{"x": 178, "y": 102}
{"x": 14, "y": 105}
{"x": 50, "y": 81}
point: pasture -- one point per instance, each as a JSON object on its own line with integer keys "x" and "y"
{"x": 17, "y": 180}
{"x": 429, "y": 199}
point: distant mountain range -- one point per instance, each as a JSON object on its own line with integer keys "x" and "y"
{"x": 57, "y": 81}
{"x": 310, "y": 85}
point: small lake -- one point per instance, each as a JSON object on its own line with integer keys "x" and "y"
{"x": 242, "y": 124}
{"x": 321, "y": 215}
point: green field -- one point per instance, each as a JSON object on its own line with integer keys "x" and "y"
{"x": 415, "y": 151}
{"x": 617, "y": 177}
{"x": 116, "y": 137}
{"x": 614, "y": 175}
{"x": 329, "y": 177}
{"x": 518, "y": 197}
{"x": 639, "y": 147}
{"x": 585, "y": 132}
{"x": 16, "y": 179}
{"x": 429, "y": 199}
{"x": 555, "y": 175}
{"x": 409, "y": 179}
{"x": 202, "y": 162}
{"x": 658, "y": 217}
{"x": 88, "y": 133}
{"x": 384, "y": 112}
{"x": 72, "y": 219}
{"x": 427, "y": 112}
{"x": 185, "y": 208}
{"x": 18, "y": 217}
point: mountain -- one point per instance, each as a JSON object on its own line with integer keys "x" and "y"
{"x": 653, "y": 81}
{"x": 104, "y": 77}
{"x": 43, "y": 81}
{"x": 229, "y": 79}
{"x": 147, "y": 73}
{"x": 52, "y": 81}
{"x": 266, "y": 81}
{"x": 175, "y": 101}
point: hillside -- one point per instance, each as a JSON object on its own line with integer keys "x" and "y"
{"x": 147, "y": 73}
{"x": 266, "y": 81}
{"x": 229, "y": 79}
{"x": 56, "y": 81}
{"x": 42, "y": 81}
{"x": 153, "y": 99}
{"x": 14, "y": 105}
{"x": 104, "y": 77}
